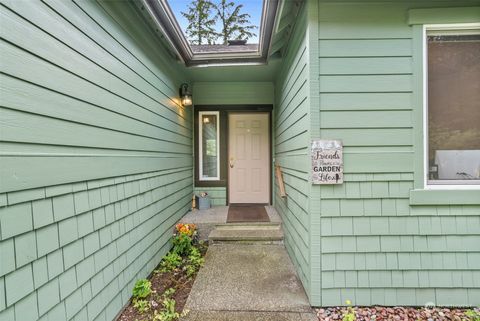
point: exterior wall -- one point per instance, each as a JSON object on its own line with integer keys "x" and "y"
{"x": 218, "y": 195}
{"x": 377, "y": 245}
{"x": 233, "y": 93}
{"x": 230, "y": 93}
{"x": 291, "y": 139}
{"x": 96, "y": 162}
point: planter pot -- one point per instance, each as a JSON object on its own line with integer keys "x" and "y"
{"x": 203, "y": 203}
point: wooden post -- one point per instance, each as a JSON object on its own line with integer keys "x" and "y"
{"x": 280, "y": 183}
{"x": 194, "y": 205}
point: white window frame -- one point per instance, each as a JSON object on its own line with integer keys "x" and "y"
{"x": 441, "y": 185}
{"x": 200, "y": 145}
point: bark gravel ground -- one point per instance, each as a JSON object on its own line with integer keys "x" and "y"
{"x": 379, "y": 313}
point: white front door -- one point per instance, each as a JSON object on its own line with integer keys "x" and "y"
{"x": 249, "y": 158}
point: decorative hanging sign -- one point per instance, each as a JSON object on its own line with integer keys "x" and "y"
{"x": 327, "y": 162}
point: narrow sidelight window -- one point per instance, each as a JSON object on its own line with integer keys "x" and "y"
{"x": 208, "y": 146}
{"x": 453, "y": 106}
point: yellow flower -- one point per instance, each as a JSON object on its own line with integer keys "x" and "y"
{"x": 348, "y": 302}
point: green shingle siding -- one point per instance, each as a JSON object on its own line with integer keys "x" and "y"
{"x": 105, "y": 167}
{"x": 16, "y": 219}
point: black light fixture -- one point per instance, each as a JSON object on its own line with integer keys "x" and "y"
{"x": 185, "y": 95}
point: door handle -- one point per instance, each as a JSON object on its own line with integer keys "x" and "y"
{"x": 232, "y": 162}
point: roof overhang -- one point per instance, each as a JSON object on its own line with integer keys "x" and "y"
{"x": 163, "y": 18}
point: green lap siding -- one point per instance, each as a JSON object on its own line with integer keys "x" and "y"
{"x": 96, "y": 161}
{"x": 377, "y": 248}
{"x": 233, "y": 92}
{"x": 291, "y": 139}
{"x": 351, "y": 72}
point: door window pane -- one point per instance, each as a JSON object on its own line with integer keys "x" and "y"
{"x": 454, "y": 108}
{"x": 209, "y": 156}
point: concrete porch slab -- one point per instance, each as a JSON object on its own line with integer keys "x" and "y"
{"x": 247, "y": 282}
{"x": 207, "y": 219}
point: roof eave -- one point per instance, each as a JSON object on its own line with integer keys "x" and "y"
{"x": 164, "y": 19}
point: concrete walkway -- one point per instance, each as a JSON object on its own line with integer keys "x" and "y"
{"x": 248, "y": 282}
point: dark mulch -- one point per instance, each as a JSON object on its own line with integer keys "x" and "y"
{"x": 378, "y": 313}
{"x": 161, "y": 282}
{"x": 247, "y": 213}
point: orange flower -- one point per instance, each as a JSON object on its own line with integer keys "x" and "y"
{"x": 186, "y": 229}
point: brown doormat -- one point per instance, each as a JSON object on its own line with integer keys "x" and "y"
{"x": 247, "y": 213}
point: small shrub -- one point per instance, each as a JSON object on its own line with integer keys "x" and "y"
{"x": 141, "y": 305}
{"x": 170, "y": 262}
{"x": 350, "y": 314}
{"x": 142, "y": 289}
{"x": 183, "y": 238}
{"x": 182, "y": 244}
{"x": 473, "y": 315}
{"x": 196, "y": 256}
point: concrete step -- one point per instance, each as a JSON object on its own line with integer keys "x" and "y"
{"x": 249, "y": 226}
{"x": 270, "y": 233}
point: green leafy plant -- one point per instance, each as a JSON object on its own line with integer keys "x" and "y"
{"x": 142, "y": 289}
{"x": 195, "y": 261}
{"x": 182, "y": 244}
{"x": 168, "y": 292}
{"x": 141, "y": 305}
{"x": 350, "y": 314}
{"x": 168, "y": 312}
{"x": 190, "y": 270}
{"x": 472, "y": 315}
{"x": 170, "y": 262}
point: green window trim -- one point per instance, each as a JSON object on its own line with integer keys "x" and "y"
{"x": 418, "y": 18}
{"x": 443, "y": 15}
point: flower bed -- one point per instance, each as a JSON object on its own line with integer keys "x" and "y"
{"x": 163, "y": 296}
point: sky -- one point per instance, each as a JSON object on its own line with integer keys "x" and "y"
{"x": 252, "y": 7}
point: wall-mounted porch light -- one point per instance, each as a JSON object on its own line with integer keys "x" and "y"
{"x": 185, "y": 95}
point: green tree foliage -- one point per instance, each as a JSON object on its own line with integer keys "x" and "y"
{"x": 200, "y": 29}
{"x": 234, "y": 24}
